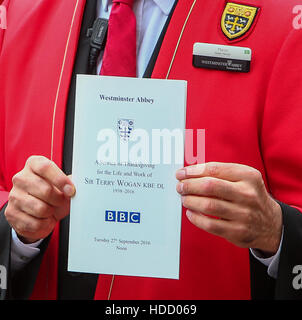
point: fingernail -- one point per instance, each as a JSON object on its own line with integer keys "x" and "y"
{"x": 180, "y": 174}
{"x": 68, "y": 190}
{"x": 195, "y": 170}
{"x": 180, "y": 187}
{"x": 189, "y": 214}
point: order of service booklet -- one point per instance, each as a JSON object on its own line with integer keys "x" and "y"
{"x": 125, "y": 218}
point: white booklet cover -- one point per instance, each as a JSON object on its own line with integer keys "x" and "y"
{"x": 125, "y": 218}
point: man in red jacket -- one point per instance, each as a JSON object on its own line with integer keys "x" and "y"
{"x": 250, "y": 120}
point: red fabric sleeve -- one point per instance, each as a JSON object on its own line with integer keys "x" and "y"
{"x": 3, "y": 191}
{"x": 281, "y": 136}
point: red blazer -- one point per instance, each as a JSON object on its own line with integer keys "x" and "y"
{"x": 250, "y": 118}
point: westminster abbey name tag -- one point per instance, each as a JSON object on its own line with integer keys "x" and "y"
{"x": 129, "y": 138}
{"x": 222, "y": 57}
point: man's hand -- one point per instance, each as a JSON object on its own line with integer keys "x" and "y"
{"x": 39, "y": 198}
{"x": 235, "y": 196}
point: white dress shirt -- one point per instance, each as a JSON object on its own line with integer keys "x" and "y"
{"x": 151, "y": 16}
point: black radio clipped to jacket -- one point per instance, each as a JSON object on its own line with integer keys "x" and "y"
{"x": 98, "y": 38}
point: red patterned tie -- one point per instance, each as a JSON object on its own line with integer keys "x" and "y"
{"x": 120, "y": 53}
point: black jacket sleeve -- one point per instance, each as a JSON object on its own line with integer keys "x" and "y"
{"x": 5, "y": 240}
{"x": 19, "y": 285}
{"x": 265, "y": 287}
{"x": 291, "y": 254}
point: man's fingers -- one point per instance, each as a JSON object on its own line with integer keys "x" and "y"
{"x": 233, "y": 231}
{"x": 63, "y": 212}
{"x": 39, "y": 198}
{"x": 227, "y": 171}
{"x": 210, "y": 206}
{"x": 39, "y": 188}
{"x": 35, "y": 207}
{"x": 208, "y": 187}
{"x": 27, "y": 225}
{"x": 49, "y": 171}
{"x": 214, "y": 226}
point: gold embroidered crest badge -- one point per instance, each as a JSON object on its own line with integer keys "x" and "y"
{"x": 237, "y": 20}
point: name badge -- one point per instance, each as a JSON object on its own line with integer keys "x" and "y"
{"x": 222, "y": 57}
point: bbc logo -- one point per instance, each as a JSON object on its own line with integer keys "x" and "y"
{"x": 122, "y": 216}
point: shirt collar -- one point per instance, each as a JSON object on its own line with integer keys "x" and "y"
{"x": 105, "y": 4}
{"x": 164, "y": 5}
